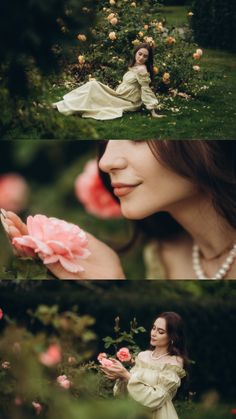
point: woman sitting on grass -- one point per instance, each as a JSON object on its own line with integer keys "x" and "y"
{"x": 98, "y": 101}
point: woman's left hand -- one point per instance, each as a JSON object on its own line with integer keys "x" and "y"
{"x": 117, "y": 370}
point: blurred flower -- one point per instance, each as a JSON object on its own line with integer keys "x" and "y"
{"x": 114, "y": 21}
{"x": 102, "y": 358}
{"x": 72, "y": 360}
{"x": 111, "y": 16}
{"x": 82, "y": 37}
{"x": 123, "y": 355}
{"x": 141, "y": 34}
{"x": 135, "y": 42}
{"x": 6, "y": 365}
{"x": 159, "y": 27}
{"x": 81, "y": 59}
{"x": 150, "y": 41}
{"x": 199, "y": 51}
{"x": 14, "y": 192}
{"x": 133, "y": 4}
{"x": 63, "y": 381}
{"x": 112, "y": 36}
{"x": 51, "y": 356}
{"x": 38, "y": 407}
{"x": 112, "y": 2}
{"x": 1, "y": 314}
{"x": 155, "y": 69}
{"x": 90, "y": 190}
{"x": 18, "y": 401}
{"x": 190, "y": 14}
{"x": 233, "y": 411}
{"x": 170, "y": 40}
{"x": 166, "y": 78}
{"x": 55, "y": 240}
{"x": 196, "y": 56}
{"x": 145, "y": 27}
{"x": 196, "y": 68}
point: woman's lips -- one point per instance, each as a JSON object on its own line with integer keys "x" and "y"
{"x": 122, "y": 190}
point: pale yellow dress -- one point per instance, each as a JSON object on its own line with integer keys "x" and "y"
{"x": 153, "y": 384}
{"x": 98, "y": 101}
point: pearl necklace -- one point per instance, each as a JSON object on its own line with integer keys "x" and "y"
{"x": 158, "y": 357}
{"x": 222, "y": 271}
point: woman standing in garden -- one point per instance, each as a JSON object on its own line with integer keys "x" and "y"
{"x": 156, "y": 376}
{"x": 182, "y": 194}
{"x": 98, "y": 101}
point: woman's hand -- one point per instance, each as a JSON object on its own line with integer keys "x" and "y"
{"x": 117, "y": 370}
{"x": 103, "y": 263}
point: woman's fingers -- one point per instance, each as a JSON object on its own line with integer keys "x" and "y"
{"x": 17, "y": 222}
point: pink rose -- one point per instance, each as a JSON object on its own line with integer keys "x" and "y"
{"x": 102, "y": 358}
{"x": 14, "y": 192}
{"x": 55, "y": 240}
{"x": 123, "y": 355}
{"x": 90, "y": 190}
{"x": 6, "y": 365}
{"x": 18, "y": 401}
{"x": 63, "y": 381}
{"x": 38, "y": 407}
{"x": 1, "y": 314}
{"x": 51, "y": 356}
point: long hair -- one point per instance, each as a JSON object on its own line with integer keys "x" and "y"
{"x": 149, "y": 62}
{"x": 209, "y": 164}
{"x": 176, "y": 333}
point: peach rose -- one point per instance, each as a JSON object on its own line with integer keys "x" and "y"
{"x": 38, "y": 407}
{"x": 112, "y": 36}
{"x": 141, "y": 34}
{"x": 63, "y": 381}
{"x": 82, "y": 37}
{"x": 166, "y": 78}
{"x": 196, "y": 56}
{"x": 102, "y": 358}
{"x": 111, "y": 16}
{"x": 55, "y": 240}
{"x": 114, "y": 21}
{"x": 14, "y": 192}
{"x": 123, "y": 355}
{"x": 91, "y": 192}
{"x": 149, "y": 40}
{"x": 155, "y": 69}
{"x": 196, "y": 68}
{"x": 1, "y": 314}
{"x": 81, "y": 59}
{"x": 170, "y": 40}
{"x": 145, "y": 27}
{"x": 51, "y": 356}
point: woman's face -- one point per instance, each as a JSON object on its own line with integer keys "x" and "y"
{"x": 159, "y": 335}
{"x": 143, "y": 184}
{"x": 141, "y": 56}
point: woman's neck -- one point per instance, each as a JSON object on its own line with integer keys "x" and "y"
{"x": 160, "y": 351}
{"x": 210, "y": 231}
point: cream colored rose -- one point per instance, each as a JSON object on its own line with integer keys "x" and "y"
{"x": 190, "y": 14}
{"x": 166, "y": 78}
{"x": 81, "y": 59}
{"x": 112, "y": 2}
{"x": 133, "y": 4}
{"x": 196, "y": 68}
{"x": 199, "y": 51}
{"x": 141, "y": 34}
{"x": 82, "y": 37}
{"x": 112, "y": 36}
{"x": 135, "y": 42}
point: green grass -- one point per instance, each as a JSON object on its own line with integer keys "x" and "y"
{"x": 175, "y": 15}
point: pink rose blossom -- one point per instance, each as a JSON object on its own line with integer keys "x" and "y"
{"x": 102, "y": 358}
{"x": 6, "y": 365}
{"x": 63, "y": 381}
{"x": 18, "y": 401}
{"x": 14, "y": 192}
{"x": 55, "y": 240}
{"x": 123, "y": 355}
{"x": 51, "y": 356}
{"x": 38, "y": 407}
{"x": 97, "y": 200}
{"x": 1, "y": 314}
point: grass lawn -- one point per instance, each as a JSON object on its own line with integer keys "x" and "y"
{"x": 211, "y": 116}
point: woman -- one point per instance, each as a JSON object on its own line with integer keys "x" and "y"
{"x": 96, "y": 100}
{"x": 182, "y": 194}
{"x": 157, "y": 374}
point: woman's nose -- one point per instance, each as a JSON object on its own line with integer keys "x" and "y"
{"x": 113, "y": 158}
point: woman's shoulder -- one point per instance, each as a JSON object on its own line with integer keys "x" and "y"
{"x": 143, "y": 356}
{"x": 176, "y": 360}
{"x": 140, "y": 69}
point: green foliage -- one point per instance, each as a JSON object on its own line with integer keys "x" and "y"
{"x": 214, "y": 23}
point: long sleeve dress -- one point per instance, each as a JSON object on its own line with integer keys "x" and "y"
{"x": 98, "y": 101}
{"x": 153, "y": 385}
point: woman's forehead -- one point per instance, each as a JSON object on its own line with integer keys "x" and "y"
{"x": 143, "y": 50}
{"x": 161, "y": 323}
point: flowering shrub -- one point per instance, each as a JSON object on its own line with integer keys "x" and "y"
{"x": 89, "y": 189}
{"x": 124, "y": 24}
{"x": 14, "y": 192}
{"x": 54, "y": 240}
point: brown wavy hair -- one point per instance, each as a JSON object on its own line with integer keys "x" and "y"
{"x": 210, "y": 164}
{"x": 149, "y": 62}
{"x": 176, "y": 332}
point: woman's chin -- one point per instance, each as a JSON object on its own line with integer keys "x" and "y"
{"x": 132, "y": 213}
